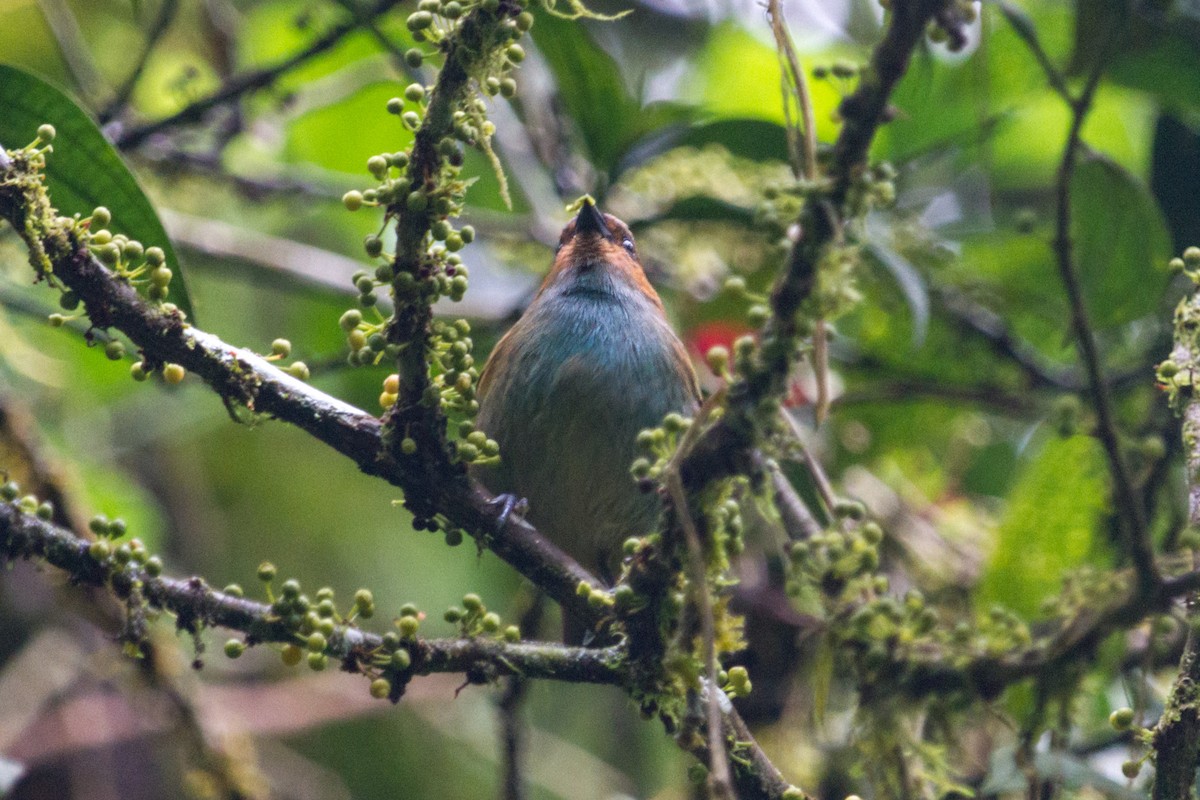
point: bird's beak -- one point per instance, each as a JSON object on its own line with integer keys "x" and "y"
{"x": 590, "y": 220}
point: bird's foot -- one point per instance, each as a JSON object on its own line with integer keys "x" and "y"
{"x": 508, "y": 504}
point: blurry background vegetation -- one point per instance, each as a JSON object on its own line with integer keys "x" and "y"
{"x": 957, "y": 413}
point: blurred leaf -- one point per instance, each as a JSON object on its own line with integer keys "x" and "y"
{"x": 756, "y": 139}
{"x": 1121, "y": 243}
{"x": 699, "y": 208}
{"x": 1071, "y": 772}
{"x": 592, "y": 90}
{"x": 1056, "y": 505}
{"x": 84, "y": 171}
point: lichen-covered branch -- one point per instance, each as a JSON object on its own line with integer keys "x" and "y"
{"x": 1176, "y": 739}
{"x": 243, "y": 377}
{"x": 724, "y": 448}
{"x": 196, "y": 605}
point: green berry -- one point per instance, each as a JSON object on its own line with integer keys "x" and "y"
{"x": 381, "y": 688}
{"x": 266, "y": 571}
{"x": 515, "y": 53}
{"x": 419, "y": 20}
{"x": 1121, "y": 719}
{"x": 413, "y": 58}
{"x": 401, "y": 659}
{"x": 174, "y": 374}
{"x": 408, "y": 626}
{"x": 281, "y": 348}
{"x": 316, "y": 643}
{"x": 155, "y": 256}
{"x": 101, "y": 217}
{"x": 291, "y": 655}
{"x": 234, "y": 648}
{"x": 317, "y": 661}
{"x": 350, "y": 320}
{"x": 299, "y": 370}
{"x": 414, "y": 92}
{"x": 114, "y": 350}
{"x": 394, "y": 106}
{"x": 352, "y": 200}
{"x": 374, "y": 246}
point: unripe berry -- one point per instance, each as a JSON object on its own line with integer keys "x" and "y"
{"x": 352, "y": 200}
{"x": 174, "y": 374}
{"x": 234, "y": 648}
{"x": 381, "y": 688}
{"x": 46, "y": 134}
{"x": 101, "y": 217}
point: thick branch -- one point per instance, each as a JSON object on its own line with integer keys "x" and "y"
{"x": 1177, "y": 736}
{"x": 241, "y": 376}
{"x": 724, "y": 448}
{"x": 195, "y": 604}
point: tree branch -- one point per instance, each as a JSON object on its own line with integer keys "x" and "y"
{"x": 241, "y": 376}
{"x": 1137, "y": 538}
{"x": 195, "y": 605}
{"x": 1176, "y": 740}
{"x": 724, "y": 448}
{"x": 248, "y": 82}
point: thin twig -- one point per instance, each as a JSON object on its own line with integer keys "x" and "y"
{"x": 1137, "y": 538}
{"x": 798, "y": 521}
{"x": 166, "y": 13}
{"x": 237, "y": 87}
{"x": 719, "y": 779}
{"x": 1024, "y": 28}
{"x": 815, "y": 470}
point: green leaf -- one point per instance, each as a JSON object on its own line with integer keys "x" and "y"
{"x": 1122, "y": 244}
{"x": 1059, "y": 501}
{"x": 592, "y": 90}
{"x": 84, "y": 171}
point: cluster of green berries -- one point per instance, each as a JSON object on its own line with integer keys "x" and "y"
{"x": 10, "y": 492}
{"x": 438, "y": 522}
{"x": 128, "y": 258}
{"x": 315, "y": 621}
{"x": 735, "y": 681}
{"x": 435, "y": 19}
{"x": 281, "y": 349}
{"x": 473, "y": 619}
{"x": 947, "y": 27}
{"x": 393, "y": 658}
{"x": 367, "y": 341}
{"x": 841, "y": 561}
{"x": 132, "y": 552}
{"x": 1122, "y": 720}
{"x": 659, "y": 445}
{"x": 1188, "y": 264}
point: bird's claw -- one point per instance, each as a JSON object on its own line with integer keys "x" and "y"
{"x": 508, "y": 503}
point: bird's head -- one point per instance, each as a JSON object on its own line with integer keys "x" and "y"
{"x": 595, "y": 242}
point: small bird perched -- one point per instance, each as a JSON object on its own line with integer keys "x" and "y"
{"x": 592, "y": 362}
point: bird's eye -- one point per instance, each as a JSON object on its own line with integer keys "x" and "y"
{"x": 628, "y": 245}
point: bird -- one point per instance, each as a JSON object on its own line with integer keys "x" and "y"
{"x": 591, "y": 362}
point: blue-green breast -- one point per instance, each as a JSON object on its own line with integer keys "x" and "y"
{"x": 590, "y": 364}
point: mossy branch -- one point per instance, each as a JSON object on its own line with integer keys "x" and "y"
{"x": 724, "y": 449}
{"x": 196, "y": 605}
{"x": 1176, "y": 740}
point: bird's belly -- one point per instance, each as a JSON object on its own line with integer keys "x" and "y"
{"x": 567, "y": 431}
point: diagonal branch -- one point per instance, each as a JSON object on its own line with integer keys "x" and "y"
{"x": 241, "y": 376}
{"x": 724, "y": 449}
{"x": 235, "y": 88}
